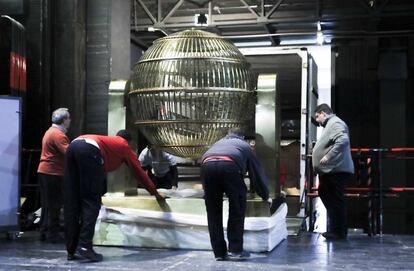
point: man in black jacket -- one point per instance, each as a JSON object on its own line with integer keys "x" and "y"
{"x": 223, "y": 169}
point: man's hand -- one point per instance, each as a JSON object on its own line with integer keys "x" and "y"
{"x": 160, "y": 196}
{"x": 269, "y": 201}
{"x": 324, "y": 160}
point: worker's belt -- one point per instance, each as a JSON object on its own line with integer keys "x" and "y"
{"x": 217, "y": 158}
{"x": 88, "y": 140}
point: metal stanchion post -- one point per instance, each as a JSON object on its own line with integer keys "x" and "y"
{"x": 370, "y": 196}
{"x": 309, "y": 185}
{"x": 380, "y": 193}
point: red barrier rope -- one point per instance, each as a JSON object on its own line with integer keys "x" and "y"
{"x": 381, "y": 149}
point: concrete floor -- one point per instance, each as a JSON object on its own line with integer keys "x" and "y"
{"x": 303, "y": 252}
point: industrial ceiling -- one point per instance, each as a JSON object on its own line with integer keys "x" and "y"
{"x": 273, "y": 22}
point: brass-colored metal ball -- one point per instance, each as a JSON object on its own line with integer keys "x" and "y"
{"x": 188, "y": 89}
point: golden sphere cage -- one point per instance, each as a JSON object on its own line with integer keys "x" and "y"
{"x": 188, "y": 89}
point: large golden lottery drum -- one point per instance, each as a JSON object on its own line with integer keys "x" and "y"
{"x": 188, "y": 89}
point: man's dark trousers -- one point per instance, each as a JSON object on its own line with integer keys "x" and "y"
{"x": 51, "y": 201}
{"x": 224, "y": 177}
{"x": 331, "y": 191}
{"x": 164, "y": 181}
{"x": 84, "y": 185}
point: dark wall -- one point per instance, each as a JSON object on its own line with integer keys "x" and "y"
{"x": 98, "y": 55}
{"x": 69, "y": 57}
{"x": 37, "y": 91}
{"x": 55, "y": 42}
{"x": 355, "y": 95}
{"x": 11, "y": 7}
{"x": 69, "y": 62}
{"x": 55, "y": 50}
{"x": 373, "y": 93}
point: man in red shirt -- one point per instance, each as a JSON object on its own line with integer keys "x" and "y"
{"x": 89, "y": 158}
{"x": 50, "y": 172}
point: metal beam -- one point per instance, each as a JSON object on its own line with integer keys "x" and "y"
{"x": 276, "y": 6}
{"x": 135, "y": 14}
{"x": 249, "y": 8}
{"x": 364, "y": 4}
{"x": 318, "y": 9}
{"x": 262, "y": 8}
{"x": 210, "y": 13}
{"x": 147, "y": 11}
{"x": 173, "y": 10}
{"x": 229, "y": 19}
{"x": 199, "y": 3}
{"x": 159, "y": 10}
{"x": 242, "y": 20}
{"x": 255, "y": 36}
{"x": 249, "y": 21}
{"x": 274, "y": 39}
{"x": 383, "y": 5}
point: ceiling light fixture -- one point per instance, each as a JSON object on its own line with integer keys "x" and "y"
{"x": 217, "y": 9}
{"x": 297, "y": 41}
{"x": 319, "y": 38}
{"x": 319, "y": 35}
{"x": 253, "y": 43}
{"x": 153, "y": 29}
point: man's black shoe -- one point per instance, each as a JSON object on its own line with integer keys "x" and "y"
{"x": 221, "y": 258}
{"x": 74, "y": 257}
{"x": 90, "y": 254}
{"x": 333, "y": 236}
{"x": 238, "y": 256}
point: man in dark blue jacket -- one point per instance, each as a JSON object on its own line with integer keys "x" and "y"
{"x": 223, "y": 169}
